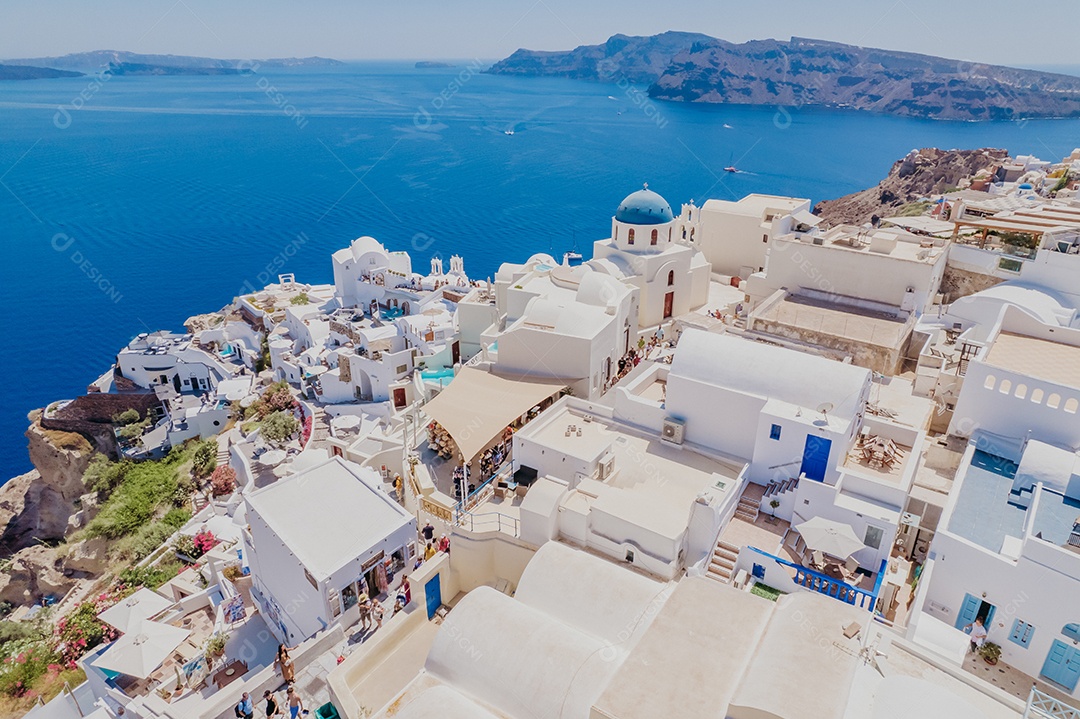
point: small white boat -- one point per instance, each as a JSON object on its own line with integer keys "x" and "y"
{"x": 508, "y": 132}
{"x": 728, "y": 127}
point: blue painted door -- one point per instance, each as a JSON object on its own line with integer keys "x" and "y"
{"x": 1062, "y": 665}
{"x": 815, "y": 458}
{"x": 968, "y": 611}
{"x": 433, "y": 594}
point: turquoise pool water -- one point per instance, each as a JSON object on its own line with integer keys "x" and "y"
{"x": 442, "y": 373}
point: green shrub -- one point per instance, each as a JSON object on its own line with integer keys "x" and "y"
{"x": 279, "y": 426}
{"x": 25, "y": 666}
{"x": 103, "y": 476}
{"x": 128, "y": 416}
{"x": 764, "y": 590}
{"x": 204, "y": 459}
{"x": 150, "y": 536}
{"x": 145, "y": 487}
{"x": 150, "y": 577}
{"x": 300, "y": 299}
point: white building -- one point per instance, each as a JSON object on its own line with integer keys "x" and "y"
{"x": 622, "y": 492}
{"x": 1008, "y": 551}
{"x": 165, "y": 358}
{"x": 317, "y": 540}
{"x": 734, "y": 236}
{"x": 889, "y": 267}
{"x": 646, "y": 251}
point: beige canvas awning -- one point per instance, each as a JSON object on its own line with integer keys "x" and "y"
{"x": 478, "y": 405}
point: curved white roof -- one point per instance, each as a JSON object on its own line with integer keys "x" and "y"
{"x": 363, "y": 245}
{"x": 984, "y": 307}
{"x": 602, "y": 290}
{"x": 756, "y": 368}
{"x": 594, "y": 595}
{"x": 613, "y": 265}
{"x": 517, "y": 659}
{"x": 443, "y": 702}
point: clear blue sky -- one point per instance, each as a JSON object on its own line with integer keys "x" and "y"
{"x": 1006, "y": 32}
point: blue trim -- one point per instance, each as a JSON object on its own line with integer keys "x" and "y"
{"x": 1021, "y": 633}
{"x": 823, "y": 584}
{"x": 774, "y": 432}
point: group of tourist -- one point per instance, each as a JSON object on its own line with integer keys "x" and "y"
{"x": 245, "y": 708}
{"x": 431, "y": 548}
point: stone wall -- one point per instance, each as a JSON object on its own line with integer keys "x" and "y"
{"x": 886, "y": 360}
{"x": 957, "y": 283}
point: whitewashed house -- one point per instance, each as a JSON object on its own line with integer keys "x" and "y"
{"x": 318, "y": 539}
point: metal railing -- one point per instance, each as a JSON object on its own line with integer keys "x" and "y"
{"x": 489, "y": 522}
{"x": 829, "y": 586}
{"x": 1044, "y": 706}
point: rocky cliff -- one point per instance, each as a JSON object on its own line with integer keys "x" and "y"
{"x": 38, "y": 505}
{"x": 802, "y": 72}
{"x": 634, "y": 58}
{"x": 919, "y": 174}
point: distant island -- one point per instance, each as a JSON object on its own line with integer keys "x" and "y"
{"x": 428, "y": 64}
{"x": 690, "y": 67}
{"x": 98, "y": 59}
{"x": 30, "y": 72}
{"x": 136, "y": 68}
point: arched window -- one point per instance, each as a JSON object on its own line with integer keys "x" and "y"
{"x": 990, "y": 381}
{"x": 616, "y": 233}
{"x": 670, "y": 278}
{"x": 1071, "y": 405}
{"x": 1037, "y": 395}
{"x": 1053, "y": 401}
{"x": 1005, "y": 387}
{"x": 655, "y": 236}
{"x": 630, "y": 236}
{"x": 669, "y": 234}
{"x": 1021, "y": 391}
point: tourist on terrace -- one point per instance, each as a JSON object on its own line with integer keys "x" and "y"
{"x": 429, "y": 552}
{"x": 284, "y": 663}
{"x": 245, "y": 708}
{"x": 977, "y": 632}
{"x": 272, "y": 708}
{"x": 295, "y": 704}
{"x": 444, "y": 544}
{"x": 365, "y": 611}
{"x": 428, "y": 531}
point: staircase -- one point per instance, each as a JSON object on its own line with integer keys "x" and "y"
{"x": 778, "y": 487}
{"x": 722, "y": 562}
{"x": 320, "y": 426}
{"x": 748, "y": 509}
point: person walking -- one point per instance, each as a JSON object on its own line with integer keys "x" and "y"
{"x": 272, "y": 708}
{"x": 429, "y": 552}
{"x": 365, "y": 611}
{"x": 444, "y": 544}
{"x": 284, "y": 664}
{"x": 977, "y": 632}
{"x": 377, "y": 613}
{"x": 244, "y": 708}
{"x": 428, "y": 531}
{"x": 296, "y": 705}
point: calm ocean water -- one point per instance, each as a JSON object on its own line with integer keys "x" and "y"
{"x": 147, "y": 200}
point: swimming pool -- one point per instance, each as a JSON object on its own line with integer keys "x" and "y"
{"x": 441, "y": 373}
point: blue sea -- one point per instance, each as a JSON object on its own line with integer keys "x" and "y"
{"x": 130, "y": 203}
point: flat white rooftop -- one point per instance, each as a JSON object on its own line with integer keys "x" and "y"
{"x": 1039, "y": 358}
{"x": 329, "y": 514}
{"x": 755, "y": 204}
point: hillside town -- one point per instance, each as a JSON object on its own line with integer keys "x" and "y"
{"x": 741, "y": 461}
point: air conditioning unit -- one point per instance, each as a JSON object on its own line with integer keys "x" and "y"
{"x": 673, "y": 430}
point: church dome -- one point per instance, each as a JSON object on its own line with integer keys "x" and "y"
{"x": 644, "y": 207}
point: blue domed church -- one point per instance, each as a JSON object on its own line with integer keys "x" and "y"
{"x": 646, "y": 251}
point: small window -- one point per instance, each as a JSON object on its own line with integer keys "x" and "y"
{"x": 1005, "y": 387}
{"x": 630, "y": 236}
{"x": 655, "y": 237}
{"x": 1021, "y": 391}
{"x": 670, "y": 278}
{"x": 774, "y": 432}
{"x": 758, "y": 571}
{"x": 1037, "y": 395}
{"x": 616, "y": 232}
{"x": 1071, "y": 405}
{"x": 630, "y": 555}
{"x": 873, "y": 536}
{"x": 1021, "y": 633}
{"x": 990, "y": 381}
{"x": 765, "y": 238}
{"x": 1053, "y": 401}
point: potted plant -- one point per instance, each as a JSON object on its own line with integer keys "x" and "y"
{"x": 773, "y": 505}
{"x": 215, "y": 645}
{"x": 990, "y": 652}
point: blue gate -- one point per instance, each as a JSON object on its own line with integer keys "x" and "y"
{"x": 815, "y": 459}
{"x": 433, "y": 594}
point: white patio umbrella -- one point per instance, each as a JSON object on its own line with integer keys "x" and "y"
{"x": 273, "y": 457}
{"x": 830, "y": 537}
{"x": 143, "y": 604}
{"x": 347, "y": 421}
{"x": 143, "y": 649}
{"x": 249, "y": 400}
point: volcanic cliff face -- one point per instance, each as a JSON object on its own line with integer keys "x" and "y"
{"x": 635, "y": 58}
{"x": 921, "y": 173}
{"x": 803, "y": 72}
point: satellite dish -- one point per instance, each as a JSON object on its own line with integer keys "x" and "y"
{"x": 825, "y": 407}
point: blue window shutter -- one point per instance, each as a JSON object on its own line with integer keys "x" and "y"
{"x": 1021, "y": 633}
{"x": 774, "y": 432}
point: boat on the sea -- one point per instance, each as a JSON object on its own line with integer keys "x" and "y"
{"x": 731, "y": 168}
{"x": 508, "y": 132}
